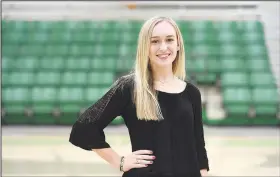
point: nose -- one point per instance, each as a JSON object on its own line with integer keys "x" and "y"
{"x": 163, "y": 47}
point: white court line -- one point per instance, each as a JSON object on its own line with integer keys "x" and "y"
{"x": 58, "y": 175}
{"x": 26, "y": 175}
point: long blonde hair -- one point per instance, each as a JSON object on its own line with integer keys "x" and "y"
{"x": 145, "y": 96}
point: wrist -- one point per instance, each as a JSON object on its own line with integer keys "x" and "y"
{"x": 121, "y": 164}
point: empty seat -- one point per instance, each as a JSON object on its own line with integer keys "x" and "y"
{"x": 70, "y": 95}
{"x": 126, "y": 51}
{"x": 202, "y": 37}
{"x": 94, "y": 94}
{"x": 233, "y": 64}
{"x": 125, "y": 64}
{"x": 266, "y": 101}
{"x": 196, "y": 64}
{"x": 231, "y": 50}
{"x": 8, "y": 63}
{"x": 16, "y": 95}
{"x": 10, "y": 50}
{"x": 33, "y": 50}
{"x": 97, "y": 79}
{"x": 60, "y": 37}
{"x": 252, "y": 26}
{"x": 18, "y": 79}
{"x": 44, "y": 96}
{"x": 71, "y": 78}
{"x": 58, "y": 50}
{"x": 234, "y": 79}
{"x": 236, "y": 100}
{"x": 47, "y": 78}
{"x": 78, "y": 63}
{"x": 205, "y": 50}
{"x": 51, "y": 63}
{"x": 26, "y": 63}
{"x": 105, "y": 64}
{"x": 213, "y": 64}
{"x": 258, "y": 64}
{"x": 201, "y": 25}
{"x": 206, "y": 78}
{"x": 237, "y": 95}
{"x": 265, "y": 95}
{"x": 262, "y": 79}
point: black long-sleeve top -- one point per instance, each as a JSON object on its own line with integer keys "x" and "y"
{"x": 177, "y": 141}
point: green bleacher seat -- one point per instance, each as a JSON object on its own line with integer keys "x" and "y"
{"x": 265, "y": 95}
{"x": 44, "y": 95}
{"x": 234, "y": 79}
{"x": 231, "y": 50}
{"x": 47, "y": 78}
{"x": 71, "y": 78}
{"x": 250, "y": 38}
{"x": 128, "y": 51}
{"x": 202, "y": 25}
{"x": 265, "y": 101}
{"x": 200, "y": 37}
{"x": 233, "y": 64}
{"x": 16, "y": 95}
{"x": 26, "y": 63}
{"x": 205, "y": 50}
{"x": 197, "y": 64}
{"x": 10, "y": 50}
{"x": 93, "y": 94}
{"x": 105, "y": 64}
{"x": 8, "y": 63}
{"x": 262, "y": 79}
{"x": 19, "y": 78}
{"x": 59, "y": 50}
{"x": 70, "y": 95}
{"x": 97, "y": 79}
{"x": 33, "y": 49}
{"x": 77, "y": 63}
{"x": 125, "y": 64}
{"x": 252, "y": 26}
{"x": 236, "y": 100}
{"x": 60, "y": 37}
{"x": 213, "y": 64}
{"x": 258, "y": 64}
{"x": 108, "y": 37}
{"x": 51, "y": 63}
{"x": 206, "y": 78}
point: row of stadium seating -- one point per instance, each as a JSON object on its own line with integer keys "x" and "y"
{"x": 56, "y": 69}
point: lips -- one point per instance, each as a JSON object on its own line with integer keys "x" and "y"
{"x": 163, "y": 56}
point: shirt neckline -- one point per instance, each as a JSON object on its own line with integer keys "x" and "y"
{"x": 174, "y": 93}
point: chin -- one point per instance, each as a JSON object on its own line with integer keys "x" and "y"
{"x": 162, "y": 63}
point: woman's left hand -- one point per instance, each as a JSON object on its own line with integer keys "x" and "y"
{"x": 204, "y": 172}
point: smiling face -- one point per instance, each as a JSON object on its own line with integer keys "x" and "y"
{"x": 163, "y": 45}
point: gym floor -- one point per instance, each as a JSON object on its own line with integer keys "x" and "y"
{"x": 45, "y": 151}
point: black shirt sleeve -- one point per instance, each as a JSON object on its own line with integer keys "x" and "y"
{"x": 87, "y": 132}
{"x": 198, "y": 127}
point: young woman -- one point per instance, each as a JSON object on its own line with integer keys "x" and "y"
{"x": 161, "y": 110}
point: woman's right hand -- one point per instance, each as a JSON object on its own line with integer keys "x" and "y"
{"x": 138, "y": 159}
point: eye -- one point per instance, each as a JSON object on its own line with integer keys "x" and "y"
{"x": 154, "y": 41}
{"x": 170, "y": 40}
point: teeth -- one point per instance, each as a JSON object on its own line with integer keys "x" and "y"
{"x": 162, "y": 55}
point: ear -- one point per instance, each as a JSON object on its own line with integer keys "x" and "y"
{"x": 178, "y": 48}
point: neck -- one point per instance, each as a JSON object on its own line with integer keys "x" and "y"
{"x": 163, "y": 74}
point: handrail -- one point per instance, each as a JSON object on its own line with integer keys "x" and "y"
{"x": 95, "y": 10}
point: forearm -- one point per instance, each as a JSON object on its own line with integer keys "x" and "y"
{"x": 204, "y": 172}
{"x": 109, "y": 155}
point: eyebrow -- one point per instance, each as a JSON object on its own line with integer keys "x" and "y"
{"x": 166, "y": 36}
